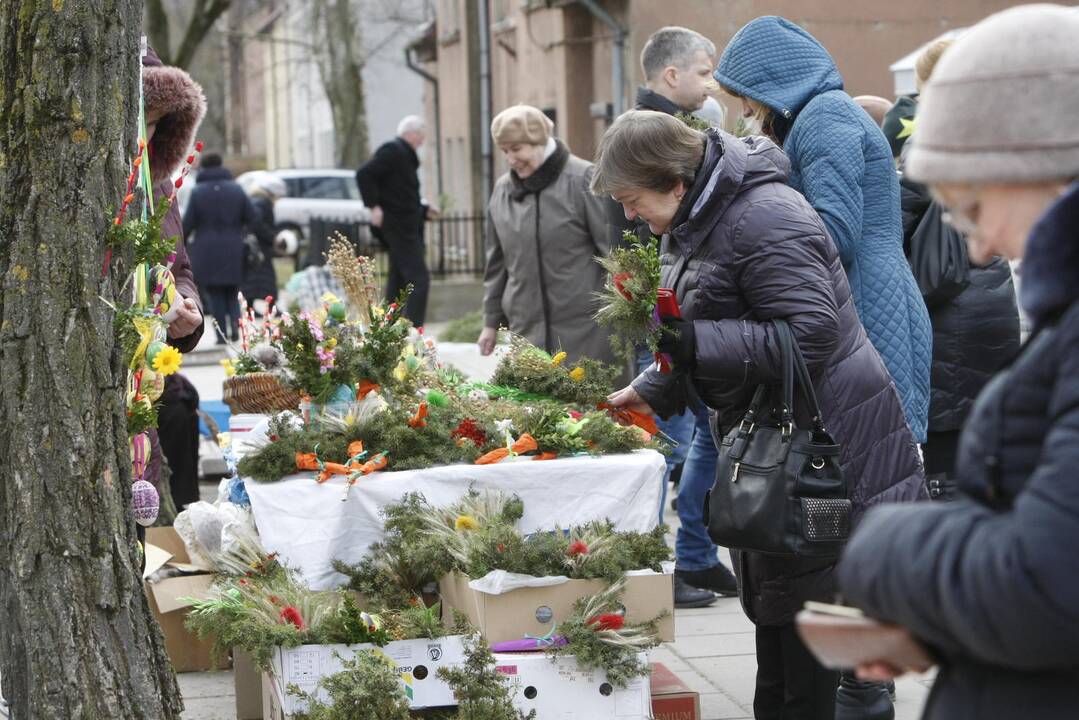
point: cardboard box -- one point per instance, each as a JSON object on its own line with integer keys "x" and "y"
{"x": 416, "y": 661}
{"x": 671, "y": 698}
{"x": 532, "y": 610}
{"x": 248, "y": 684}
{"x": 271, "y": 704}
{"x": 559, "y": 688}
{"x": 171, "y": 597}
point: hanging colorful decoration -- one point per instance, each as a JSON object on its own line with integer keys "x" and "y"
{"x": 142, "y": 326}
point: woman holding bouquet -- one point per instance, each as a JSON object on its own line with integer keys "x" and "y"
{"x": 545, "y": 230}
{"x": 740, "y": 248}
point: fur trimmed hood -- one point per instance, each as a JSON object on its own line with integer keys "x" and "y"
{"x": 171, "y": 91}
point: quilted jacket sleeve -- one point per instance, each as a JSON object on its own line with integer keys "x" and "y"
{"x": 826, "y": 145}
{"x": 1001, "y": 588}
{"x": 783, "y": 266}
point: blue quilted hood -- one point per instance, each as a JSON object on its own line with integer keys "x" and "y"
{"x": 777, "y": 63}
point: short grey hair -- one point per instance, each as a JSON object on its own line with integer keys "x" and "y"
{"x": 675, "y": 46}
{"x": 410, "y": 123}
{"x": 649, "y": 150}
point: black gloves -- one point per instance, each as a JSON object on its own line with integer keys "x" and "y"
{"x": 680, "y": 342}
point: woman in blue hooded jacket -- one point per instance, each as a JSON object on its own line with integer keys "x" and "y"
{"x": 843, "y": 165}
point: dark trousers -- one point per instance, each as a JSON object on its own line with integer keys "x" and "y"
{"x": 408, "y": 266}
{"x": 178, "y": 433}
{"x": 225, "y": 307}
{"x": 939, "y": 453}
{"x": 791, "y": 684}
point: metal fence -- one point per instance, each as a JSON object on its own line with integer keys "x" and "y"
{"x": 454, "y": 244}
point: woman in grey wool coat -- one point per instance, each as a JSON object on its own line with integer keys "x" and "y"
{"x": 545, "y": 230}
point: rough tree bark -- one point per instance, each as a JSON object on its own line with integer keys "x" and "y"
{"x": 78, "y": 639}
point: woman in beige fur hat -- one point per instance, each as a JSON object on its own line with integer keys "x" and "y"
{"x": 546, "y": 228}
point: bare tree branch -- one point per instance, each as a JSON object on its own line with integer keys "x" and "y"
{"x": 202, "y": 19}
{"x": 157, "y": 29}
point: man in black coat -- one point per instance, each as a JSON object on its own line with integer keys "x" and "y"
{"x": 391, "y": 189}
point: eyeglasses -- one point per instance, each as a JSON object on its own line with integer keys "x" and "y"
{"x": 962, "y": 214}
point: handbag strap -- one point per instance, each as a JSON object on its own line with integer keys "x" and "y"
{"x": 794, "y": 361}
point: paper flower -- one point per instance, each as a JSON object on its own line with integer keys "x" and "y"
{"x": 325, "y": 359}
{"x": 607, "y": 621}
{"x": 559, "y": 358}
{"x": 291, "y": 616}
{"x": 465, "y": 522}
{"x": 469, "y": 429}
{"x": 167, "y": 360}
{"x": 576, "y": 374}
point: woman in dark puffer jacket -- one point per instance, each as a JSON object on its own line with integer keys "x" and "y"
{"x": 741, "y": 248}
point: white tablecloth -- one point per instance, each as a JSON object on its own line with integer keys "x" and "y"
{"x": 310, "y": 525}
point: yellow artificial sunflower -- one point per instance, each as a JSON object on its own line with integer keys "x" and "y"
{"x": 465, "y": 522}
{"x": 576, "y": 374}
{"x": 559, "y": 358}
{"x": 167, "y": 361}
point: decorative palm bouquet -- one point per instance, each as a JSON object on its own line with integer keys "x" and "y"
{"x": 628, "y": 300}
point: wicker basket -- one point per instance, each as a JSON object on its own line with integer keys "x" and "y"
{"x": 259, "y": 393}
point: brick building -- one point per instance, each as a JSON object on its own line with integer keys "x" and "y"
{"x": 558, "y": 56}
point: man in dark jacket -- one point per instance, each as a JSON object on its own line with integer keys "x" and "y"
{"x": 391, "y": 189}
{"x": 218, "y": 215}
{"x": 677, "y": 64}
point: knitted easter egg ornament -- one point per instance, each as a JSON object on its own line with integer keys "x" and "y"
{"x": 145, "y": 502}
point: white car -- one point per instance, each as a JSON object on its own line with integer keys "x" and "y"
{"x": 323, "y": 194}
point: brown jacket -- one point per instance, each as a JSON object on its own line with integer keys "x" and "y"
{"x": 541, "y": 274}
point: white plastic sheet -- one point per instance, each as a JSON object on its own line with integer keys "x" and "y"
{"x": 310, "y": 525}
{"x": 500, "y": 582}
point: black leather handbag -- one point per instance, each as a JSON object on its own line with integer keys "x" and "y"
{"x": 779, "y": 488}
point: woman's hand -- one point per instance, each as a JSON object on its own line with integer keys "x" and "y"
{"x": 877, "y": 671}
{"x": 487, "y": 340}
{"x": 630, "y": 399}
{"x": 187, "y": 320}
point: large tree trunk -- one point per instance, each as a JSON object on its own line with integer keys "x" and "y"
{"x": 77, "y": 639}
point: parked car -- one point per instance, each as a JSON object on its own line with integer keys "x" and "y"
{"x": 325, "y": 194}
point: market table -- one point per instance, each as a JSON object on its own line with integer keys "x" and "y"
{"x": 309, "y": 525}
